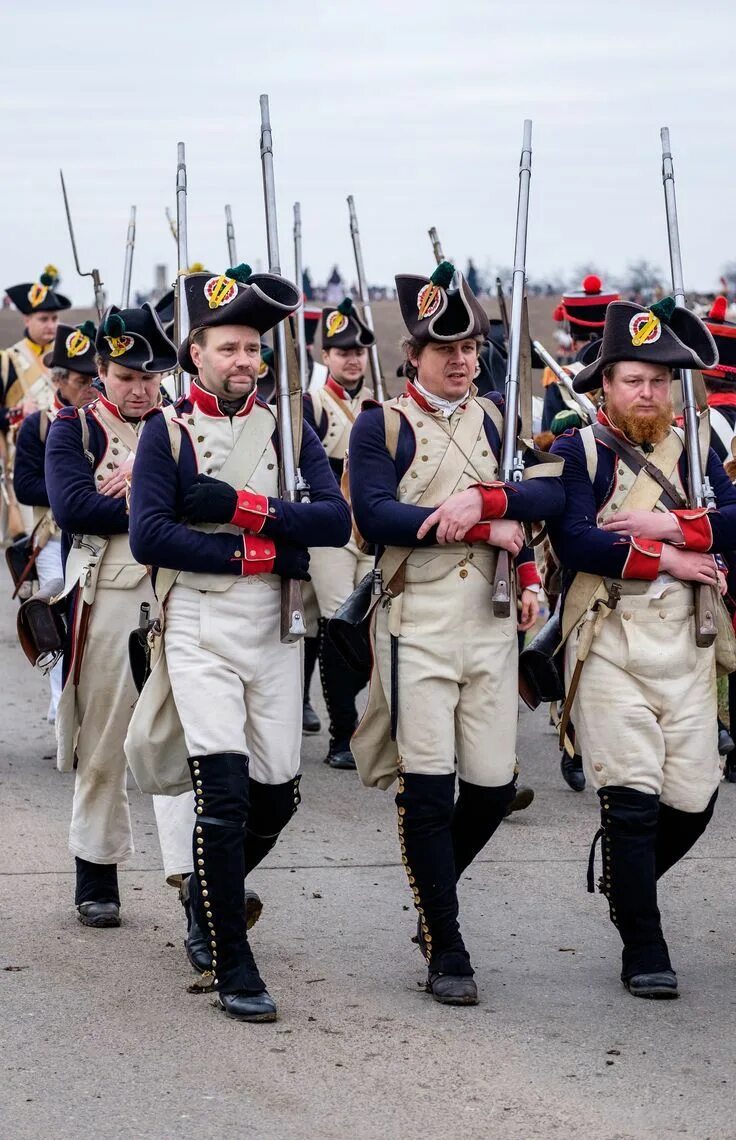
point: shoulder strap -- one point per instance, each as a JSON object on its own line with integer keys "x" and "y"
{"x": 4, "y": 370}
{"x": 391, "y": 427}
{"x": 493, "y": 412}
{"x": 43, "y": 427}
{"x": 85, "y": 436}
{"x": 174, "y": 431}
{"x": 591, "y": 451}
{"x": 670, "y": 496}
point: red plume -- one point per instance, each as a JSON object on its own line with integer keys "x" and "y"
{"x": 592, "y": 283}
{"x": 718, "y": 309}
{"x": 559, "y": 314}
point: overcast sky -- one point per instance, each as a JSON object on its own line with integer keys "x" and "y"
{"x": 416, "y": 108}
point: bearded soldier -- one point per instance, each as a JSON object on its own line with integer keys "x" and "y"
{"x": 331, "y": 410}
{"x": 206, "y": 512}
{"x": 73, "y": 368}
{"x": 645, "y": 695}
{"x": 443, "y": 696}
{"x": 89, "y": 456}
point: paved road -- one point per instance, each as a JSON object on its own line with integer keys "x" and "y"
{"x": 100, "y": 1036}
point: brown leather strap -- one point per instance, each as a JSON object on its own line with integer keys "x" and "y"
{"x": 671, "y": 497}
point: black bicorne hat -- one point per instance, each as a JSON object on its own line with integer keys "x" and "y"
{"x": 39, "y": 296}
{"x": 238, "y": 297}
{"x": 724, "y": 334}
{"x": 584, "y": 310}
{"x": 74, "y": 349}
{"x": 343, "y": 328}
{"x": 165, "y": 311}
{"x": 665, "y": 334}
{"x": 442, "y": 307}
{"x": 135, "y": 338}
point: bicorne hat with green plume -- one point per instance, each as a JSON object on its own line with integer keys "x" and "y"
{"x": 74, "y": 349}
{"x": 343, "y": 328}
{"x": 441, "y": 307}
{"x": 39, "y": 296}
{"x": 136, "y": 339}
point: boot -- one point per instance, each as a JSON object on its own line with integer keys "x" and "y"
{"x": 425, "y": 807}
{"x": 678, "y": 831}
{"x": 572, "y": 771}
{"x": 310, "y": 721}
{"x": 195, "y": 944}
{"x": 271, "y": 808}
{"x": 221, "y": 808}
{"x": 340, "y": 685}
{"x": 725, "y": 740}
{"x": 523, "y": 799}
{"x": 629, "y": 833}
{"x": 478, "y": 812}
{"x": 97, "y": 897}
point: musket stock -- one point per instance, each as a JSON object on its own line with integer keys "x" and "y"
{"x": 700, "y": 492}
{"x": 181, "y": 316}
{"x": 512, "y": 465}
{"x": 93, "y": 273}
{"x": 436, "y": 245}
{"x": 378, "y": 385}
{"x": 301, "y": 334}
{"x": 293, "y": 625}
{"x": 232, "y": 252}
{"x": 128, "y": 269}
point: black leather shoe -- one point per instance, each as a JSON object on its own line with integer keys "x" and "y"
{"x": 99, "y": 914}
{"x": 248, "y": 1007}
{"x": 521, "y": 801}
{"x": 340, "y": 756}
{"x": 452, "y": 989}
{"x": 729, "y": 771}
{"x": 572, "y": 772}
{"x": 662, "y": 984}
{"x": 310, "y": 721}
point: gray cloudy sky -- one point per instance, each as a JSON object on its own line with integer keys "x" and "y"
{"x": 415, "y": 108}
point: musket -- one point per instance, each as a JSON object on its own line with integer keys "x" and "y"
{"x": 301, "y": 336}
{"x": 502, "y": 308}
{"x": 232, "y": 252}
{"x": 293, "y": 487}
{"x": 378, "y": 385}
{"x": 436, "y": 245}
{"x": 128, "y": 268}
{"x": 512, "y": 463}
{"x": 181, "y": 316}
{"x": 700, "y": 492}
{"x": 586, "y": 406}
{"x": 93, "y": 273}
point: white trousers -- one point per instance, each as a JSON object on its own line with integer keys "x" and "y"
{"x": 336, "y": 571}
{"x": 645, "y": 713}
{"x": 49, "y": 567}
{"x": 237, "y": 688}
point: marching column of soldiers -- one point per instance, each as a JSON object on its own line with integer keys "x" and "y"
{"x": 159, "y": 534}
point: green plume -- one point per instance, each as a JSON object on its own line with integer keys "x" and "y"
{"x": 345, "y": 307}
{"x": 47, "y": 279}
{"x": 267, "y": 354}
{"x": 563, "y": 421}
{"x": 443, "y": 274}
{"x": 88, "y": 329}
{"x": 664, "y": 309}
{"x": 114, "y": 325}
{"x": 240, "y": 273}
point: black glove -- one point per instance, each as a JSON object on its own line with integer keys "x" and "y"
{"x": 209, "y": 500}
{"x": 292, "y": 562}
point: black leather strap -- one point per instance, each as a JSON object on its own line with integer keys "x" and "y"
{"x": 670, "y": 497}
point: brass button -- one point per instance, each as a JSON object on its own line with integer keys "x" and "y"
{"x": 116, "y": 451}
{"x": 420, "y": 423}
{"x": 463, "y": 573}
{"x": 238, "y": 554}
{"x": 484, "y": 452}
{"x": 463, "y": 563}
{"x": 621, "y": 471}
{"x": 663, "y": 615}
{"x": 115, "y": 439}
{"x": 425, "y": 458}
{"x": 208, "y": 454}
{"x": 414, "y": 475}
{"x": 626, "y": 615}
{"x": 598, "y": 767}
{"x": 190, "y": 421}
{"x": 424, "y": 441}
{"x": 270, "y": 466}
{"x": 200, "y": 439}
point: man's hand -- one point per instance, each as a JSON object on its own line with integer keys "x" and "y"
{"x": 455, "y": 517}
{"x": 506, "y": 534}
{"x": 529, "y": 610}
{"x": 208, "y": 500}
{"x": 660, "y": 525}
{"x": 689, "y": 566}
{"x": 115, "y": 486}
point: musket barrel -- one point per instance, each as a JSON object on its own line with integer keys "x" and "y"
{"x": 128, "y": 269}
{"x": 232, "y": 252}
{"x": 182, "y": 256}
{"x": 580, "y": 398}
{"x": 301, "y": 333}
{"x": 373, "y": 357}
{"x": 436, "y": 245}
{"x": 510, "y": 468}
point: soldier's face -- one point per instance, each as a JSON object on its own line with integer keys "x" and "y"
{"x": 41, "y": 327}
{"x": 228, "y": 361}
{"x": 639, "y": 389}
{"x": 346, "y": 365}
{"x": 77, "y": 389}
{"x": 447, "y": 370}
{"x": 134, "y": 393}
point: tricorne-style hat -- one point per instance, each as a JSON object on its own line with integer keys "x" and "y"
{"x": 73, "y": 349}
{"x": 135, "y": 338}
{"x": 343, "y": 328}
{"x": 724, "y": 334}
{"x": 237, "y": 297}
{"x": 440, "y": 308}
{"x": 665, "y": 334}
{"x": 39, "y": 296}
{"x": 584, "y": 310}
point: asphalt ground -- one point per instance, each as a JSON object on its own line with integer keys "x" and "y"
{"x": 100, "y": 1036}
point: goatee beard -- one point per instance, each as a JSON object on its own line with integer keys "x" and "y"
{"x": 648, "y": 430}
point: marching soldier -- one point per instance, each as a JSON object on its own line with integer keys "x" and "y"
{"x": 331, "y": 410}
{"x": 72, "y": 370}
{"x": 443, "y": 698}
{"x": 644, "y": 698}
{"x": 206, "y": 512}
{"x": 89, "y": 455}
{"x": 584, "y": 314}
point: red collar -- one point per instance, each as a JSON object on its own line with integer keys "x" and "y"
{"x": 342, "y": 393}
{"x": 112, "y": 408}
{"x": 722, "y": 399}
{"x": 59, "y": 402}
{"x": 419, "y": 399}
{"x": 209, "y": 404}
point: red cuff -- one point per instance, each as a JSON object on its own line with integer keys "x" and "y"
{"x": 527, "y": 575}
{"x": 643, "y": 559}
{"x": 495, "y": 503}
{"x": 481, "y": 532}
{"x": 257, "y": 556}
{"x": 697, "y": 533}
{"x": 251, "y": 511}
